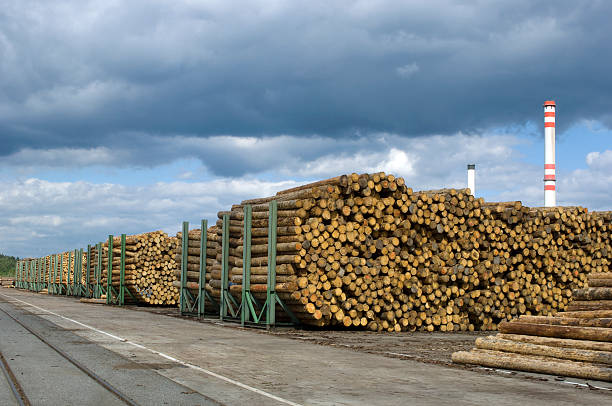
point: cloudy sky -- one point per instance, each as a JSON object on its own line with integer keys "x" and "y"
{"x": 132, "y": 116}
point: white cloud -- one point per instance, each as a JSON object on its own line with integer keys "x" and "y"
{"x": 407, "y": 71}
{"x": 40, "y": 217}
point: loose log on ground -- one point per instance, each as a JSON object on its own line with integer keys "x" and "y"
{"x": 547, "y": 330}
{"x": 546, "y": 365}
{"x": 499, "y": 344}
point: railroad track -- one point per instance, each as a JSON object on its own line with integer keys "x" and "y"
{"x": 17, "y": 389}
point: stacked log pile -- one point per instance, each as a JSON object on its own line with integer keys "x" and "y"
{"x": 7, "y": 281}
{"x": 149, "y": 267}
{"x": 366, "y": 251}
{"x": 577, "y": 342}
{"x": 193, "y": 258}
{"x": 67, "y": 266}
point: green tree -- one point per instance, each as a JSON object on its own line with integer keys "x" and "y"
{"x": 7, "y": 265}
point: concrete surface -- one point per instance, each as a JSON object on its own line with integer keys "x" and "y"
{"x": 236, "y": 366}
{"x": 6, "y": 395}
{"x": 48, "y": 378}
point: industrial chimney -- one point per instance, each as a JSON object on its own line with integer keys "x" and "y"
{"x": 471, "y": 168}
{"x": 550, "y": 193}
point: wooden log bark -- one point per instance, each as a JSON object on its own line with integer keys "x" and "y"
{"x": 579, "y": 305}
{"x": 546, "y": 365}
{"x": 573, "y": 354}
{"x": 599, "y": 293}
{"x": 546, "y": 330}
{"x": 558, "y": 342}
{"x": 568, "y": 321}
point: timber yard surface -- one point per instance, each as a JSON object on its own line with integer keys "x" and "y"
{"x": 150, "y": 357}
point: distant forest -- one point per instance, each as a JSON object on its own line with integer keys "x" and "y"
{"x": 7, "y": 265}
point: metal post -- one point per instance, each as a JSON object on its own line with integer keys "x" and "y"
{"x": 61, "y": 279}
{"x": 80, "y": 284}
{"x": 68, "y": 283}
{"x": 246, "y": 266}
{"x": 75, "y": 272}
{"x": 109, "y": 271}
{"x": 45, "y": 271}
{"x": 32, "y": 275}
{"x": 88, "y": 277}
{"x": 202, "y": 280}
{"x": 76, "y": 280}
{"x": 35, "y": 286}
{"x": 122, "y": 273}
{"x": 52, "y": 279}
{"x": 271, "y": 290}
{"x": 224, "y": 267}
{"x": 36, "y": 277}
{"x": 185, "y": 302}
{"x": 99, "y": 287}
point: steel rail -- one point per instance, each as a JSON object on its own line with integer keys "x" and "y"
{"x": 101, "y": 381}
{"x": 16, "y": 388}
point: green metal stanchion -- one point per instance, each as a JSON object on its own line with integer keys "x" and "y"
{"x": 249, "y": 304}
{"x": 271, "y": 290}
{"x": 45, "y": 279}
{"x": 63, "y": 286}
{"x": 229, "y": 309}
{"x": 109, "y": 272}
{"x": 76, "y": 274}
{"x": 81, "y": 289}
{"x": 36, "y": 270}
{"x": 99, "y": 286}
{"x": 60, "y": 272}
{"x": 272, "y": 297}
{"x": 52, "y": 277}
{"x": 41, "y": 274}
{"x": 47, "y": 273}
{"x": 113, "y": 296}
{"x": 190, "y": 305}
{"x": 37, "y": 280}
{"x": 122, "y": 273}
{"x": 88, "y": 285}
{"x": 186, "y": 301}
{"x": 68, "y": 283}
{"x": 202, "y": 293}
{"x": 252, "y": 311}
{"x": 32, "y": 275}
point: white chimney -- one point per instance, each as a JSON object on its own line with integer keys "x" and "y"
{"x": 550, "y": 193}
{"x": 471, "y": 168}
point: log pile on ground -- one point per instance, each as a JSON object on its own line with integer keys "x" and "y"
{"x": 7, "y": 281}
{"x": 193, "y": 258}
{"x": 577, "y": 342}
{"x": 149, "y": 267}
{"x": 366, "y": 251}
{"x": 67, "y": 267}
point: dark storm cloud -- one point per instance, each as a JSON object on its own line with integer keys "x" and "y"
{"x": 77, "y": 73}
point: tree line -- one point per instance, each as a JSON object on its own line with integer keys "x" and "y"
{"x": 7, "y": 265}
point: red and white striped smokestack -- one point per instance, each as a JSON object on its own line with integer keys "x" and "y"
{"x": 550, "y": 192}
